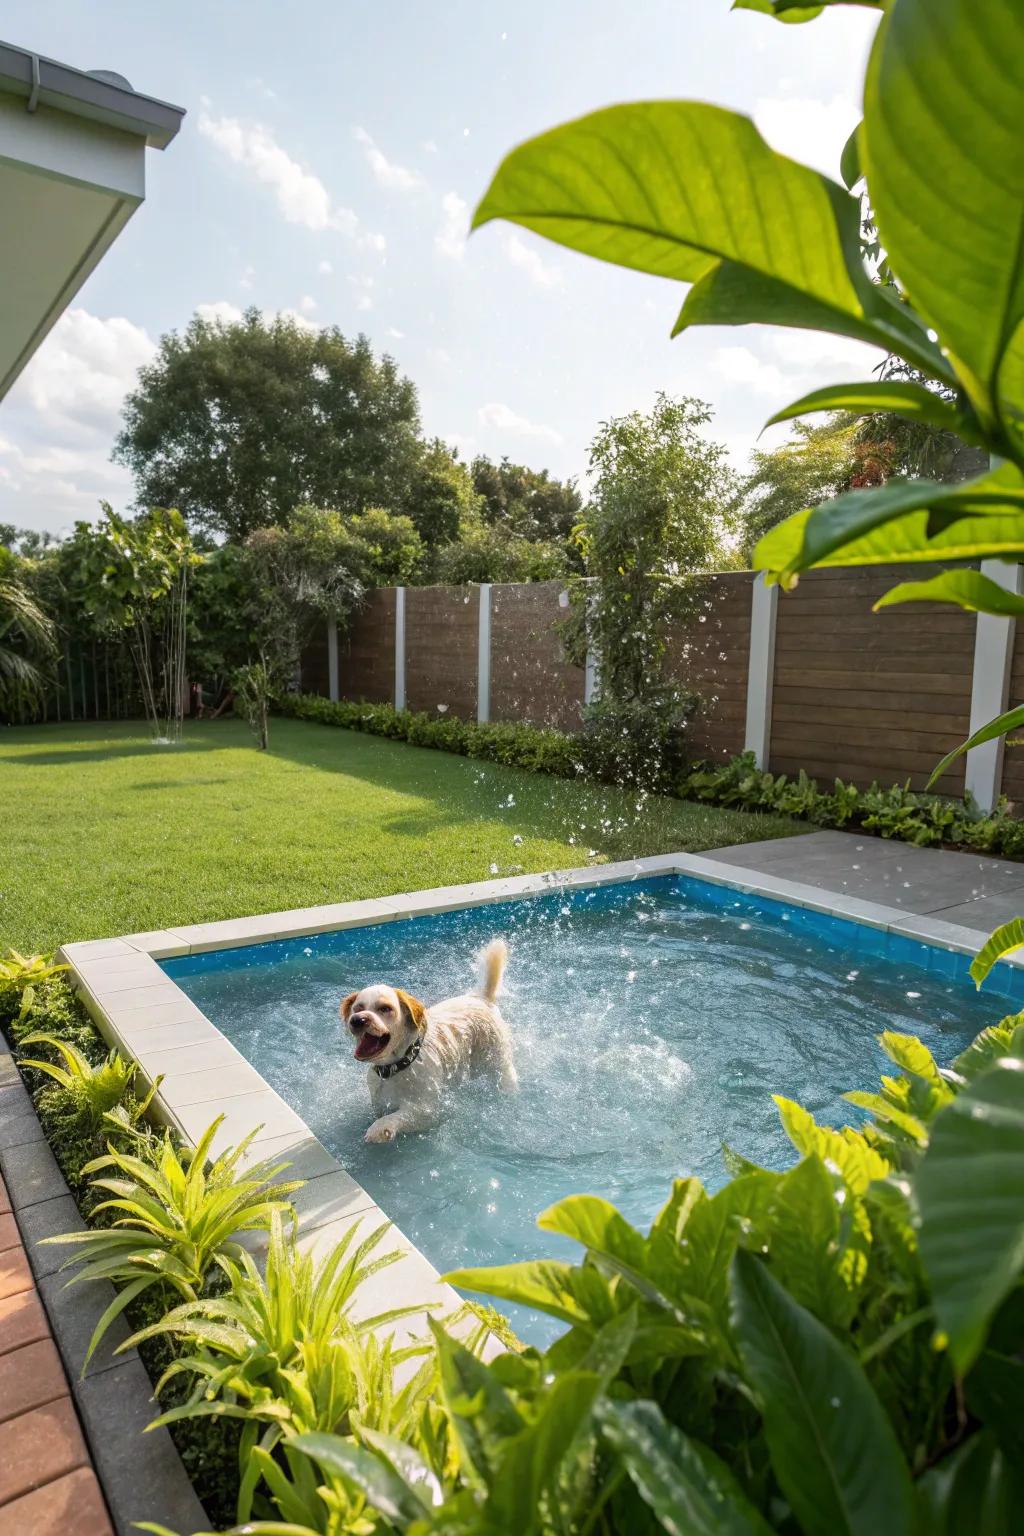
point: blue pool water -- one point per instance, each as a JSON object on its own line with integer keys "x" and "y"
{"x": 652, "y": 1021}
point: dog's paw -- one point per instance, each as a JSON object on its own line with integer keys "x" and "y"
{"x": 380, "y": 1132}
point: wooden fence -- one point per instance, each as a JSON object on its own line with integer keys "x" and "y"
{"x": 840, "y": 690}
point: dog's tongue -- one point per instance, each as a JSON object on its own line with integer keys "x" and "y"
{"x": 369, "y": 1046}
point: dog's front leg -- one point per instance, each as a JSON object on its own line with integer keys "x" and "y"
{"x": 386, "y": 1128}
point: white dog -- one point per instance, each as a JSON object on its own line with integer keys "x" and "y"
{"x": 414, "y": 1052}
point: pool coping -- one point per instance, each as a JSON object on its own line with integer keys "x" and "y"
{"x": 142, "y": 1012}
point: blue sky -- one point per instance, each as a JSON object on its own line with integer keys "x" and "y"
{"x": 331, "y": 156}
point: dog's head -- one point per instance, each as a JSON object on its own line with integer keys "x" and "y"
{"x": 384, "y": 1020}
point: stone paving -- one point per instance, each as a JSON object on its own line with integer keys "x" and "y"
{"x": 47, "y": 1483}
{"x": 966, "y": 889}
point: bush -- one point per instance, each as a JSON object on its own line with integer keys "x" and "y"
{"x": 637, "y": 742}
{"x": 897, "y": 812}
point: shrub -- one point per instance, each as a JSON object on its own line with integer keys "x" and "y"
{"x": 89, "y": 1091}
{"x": 897, "y": 812}
{"x": 636, "y": 741}
{"x": 174, "y": 1217}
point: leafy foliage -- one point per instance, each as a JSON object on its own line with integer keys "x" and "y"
{"x": 174, "y": 1215}
{"x": 28, "y": 643}
{"x": 91, "y": 1090}
{"x": 239, "y": 423}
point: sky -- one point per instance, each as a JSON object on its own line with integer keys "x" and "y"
{"x": 328, "y": 166}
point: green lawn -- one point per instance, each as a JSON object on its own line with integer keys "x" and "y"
{"x": 104, "y": 833}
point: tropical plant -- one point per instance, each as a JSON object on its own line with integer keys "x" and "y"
{"x": 280, "y": 1351}
{"x": 254, "y": 691}
{"x": 90, "y": 1090}
{"x": 175, "y": 1215}
{"x": 28, "y": 644}
{"x": 20, "y": 975}
{"x": 691, "y": 191}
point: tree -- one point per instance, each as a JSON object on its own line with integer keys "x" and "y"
{"x": 527, "y": 501}
{"x": 441, "y": 499}
{"x": 487, "y": 553}
{"x": 28, "y": 643}
{"x": 656, "y": 516}
{"x": 239, "y": 423}
{"x": 814, "y": 463}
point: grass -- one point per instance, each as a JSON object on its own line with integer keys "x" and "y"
{"x": 105, "y": 833}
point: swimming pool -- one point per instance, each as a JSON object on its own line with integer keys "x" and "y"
{"x": 652, "y": 1020}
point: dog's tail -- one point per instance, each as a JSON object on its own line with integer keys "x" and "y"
{"x": 492, "y": 960}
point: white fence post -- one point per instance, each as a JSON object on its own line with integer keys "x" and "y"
{"x": 764, "y": 604}
{"x": 483, "y": 656}
{"x": 399, "y": 647}
{"x": 990, "y": 687}
{"x": 333, "y": 674}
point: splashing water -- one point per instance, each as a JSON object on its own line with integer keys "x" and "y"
{"x": 651, "y": 1022}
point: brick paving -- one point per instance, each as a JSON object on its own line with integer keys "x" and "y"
{"x": 47, "y": 1483}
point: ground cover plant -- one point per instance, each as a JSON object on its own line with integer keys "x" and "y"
{"x": 150, "y": 837}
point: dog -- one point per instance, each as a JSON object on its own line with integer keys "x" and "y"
{"x": 414, "y": 1052}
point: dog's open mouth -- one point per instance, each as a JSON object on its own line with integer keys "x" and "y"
{"x": 368, "y": 1046}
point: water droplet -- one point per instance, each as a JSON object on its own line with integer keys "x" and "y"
{"x": 913, "y": 994}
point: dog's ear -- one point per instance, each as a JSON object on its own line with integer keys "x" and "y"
{"x": 345, "y": 1006}
{"x": 414, "y": 1008}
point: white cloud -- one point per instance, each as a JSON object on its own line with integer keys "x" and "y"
{"x": 808, "y": 129}
{"x": 395, "y": 333}
{"x": 246, "y": 279}
{"x": 450, "y": 239}
{"x": 221, "y": 311}
{"x": 301, "y": 196}
{"x": 307, "y": 303}
{"x": 363, "y": 286}
{"x": 84, "y": 368}
{"x": 325, "y": 268}
{"x": 61, "y": 418}
{"x": 501, "y": 418}
{"x": 739, "y": 365}
{"x": 546, "y": 274}
{"x": 428, "y": 146}
{"x": 398, "y": 178}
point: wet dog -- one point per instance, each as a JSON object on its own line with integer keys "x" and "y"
{"x": 414, "y": 1052}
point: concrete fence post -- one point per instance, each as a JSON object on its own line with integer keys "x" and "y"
{"x": 333, "y": 674}
{"x": 399, "y": 647}
{"x": 764, "y": 605}
{"x": 990, "y": 687}
{"x": 483, "y": 656}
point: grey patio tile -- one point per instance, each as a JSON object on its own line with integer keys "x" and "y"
{"x": 936, "y": 930}
{"x": 31, "y": 1174}
{"x": 49, "y": 1218}
{"x": 142, "y": 1474}
{"x": 211, "y": 1050}
{"x": 210, "y": 1085}
{"x": 266, "y": 1110}
{"x": 74, "y": 1311}
{"x": 16, "y": 1130}
{"x": 985, "y": 913}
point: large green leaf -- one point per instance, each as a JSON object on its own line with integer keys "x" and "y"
{"x": 796, "y": 11}
{"x": 386, "y": 1490}
{"x": 833, "y": 1449}
{"x": 967, "y": 589}
{"x": 900, "y": 395}
{"x": 685, "y": 190}
{"x": 564, "y": 1291}
{"x": 977, "y": 1491}
{"x": 944, "y": 103}
{"x": 1003, "y": 1039}
{"x": 805, "y": 1244}
{"x": 530, "y": 1461}
{"x": 907, "y": 540}
{"x": 833, "y": 533}
{"x": 1006, "y": 938}
{"x": 690, "y": 1491}
{"x": 997, "y": 727}
{"x": 970, "y": 1190}
{"x": 995, "y": 1395}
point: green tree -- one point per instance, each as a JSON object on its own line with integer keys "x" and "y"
{"x": 441, "y": 499}
{"x": 656, "y": 516}
{"x": 487, "y": 553}
{"x": 527, "y": 501}
{"x": 238, "y": 423}
{"x": 814, "y": 463}
{"x": 28, "y": 642}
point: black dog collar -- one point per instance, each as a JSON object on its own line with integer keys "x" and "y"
{"x": 391, "y": 1067}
